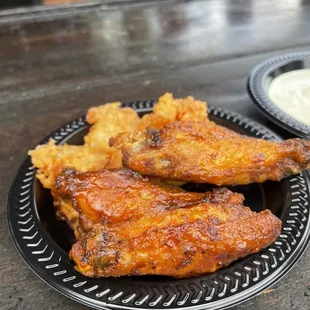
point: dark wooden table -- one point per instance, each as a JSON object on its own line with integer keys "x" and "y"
{"x": 56, "y": 63}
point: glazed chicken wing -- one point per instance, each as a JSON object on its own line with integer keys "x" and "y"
{"x": 204, "y": 152}
{"x": 112, "y": 196}
{"x": 180, "y": 243}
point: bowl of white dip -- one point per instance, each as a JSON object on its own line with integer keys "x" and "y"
{"x": 280, "y": 88}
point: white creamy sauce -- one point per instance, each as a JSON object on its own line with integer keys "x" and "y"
{"x": 290, "y": 91}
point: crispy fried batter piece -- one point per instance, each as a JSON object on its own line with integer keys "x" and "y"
{"x": 108, "y": 120}
{"x": 203, "y": 152}
{"x": 180, "y": 243}
{"x": 168, "y": 110}
{"x": 113, "y": 196}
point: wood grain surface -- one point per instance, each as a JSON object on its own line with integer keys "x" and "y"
{"x": 56, "y": 63}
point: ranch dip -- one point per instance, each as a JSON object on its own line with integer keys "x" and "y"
{"x": 290, "y": 91}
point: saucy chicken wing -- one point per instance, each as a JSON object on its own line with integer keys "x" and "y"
{"x": 180, "y": 243}
{"x": 112, "y": 196}
{"x": 204, "y": 152}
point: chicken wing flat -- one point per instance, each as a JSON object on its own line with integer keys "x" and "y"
{"x": 204, "y": 152}
{"x": 112, "y": 196}
{"x": 180, "y": 243}
{"x": 107, "y": 120}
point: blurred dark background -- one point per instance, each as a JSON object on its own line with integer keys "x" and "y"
{"x": 22, "y": 3}
{"x": 16, "y": 3}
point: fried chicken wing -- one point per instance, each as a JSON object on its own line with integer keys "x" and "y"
{"x": 204, "y": 152}
{"x": 180, "y": 243}
{"x": 113, "y": 196}
{"x": 108, "y": 120}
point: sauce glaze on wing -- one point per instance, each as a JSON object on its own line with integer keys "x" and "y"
{"x": 114, "y": 196}
{"x": 180, "y": 243}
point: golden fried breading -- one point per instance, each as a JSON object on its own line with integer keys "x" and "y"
{"x": 113, "y": 196}
{"x": 168, "y": 110}
{"x": 180, "y": 243}
{"x": 50, "y": 159}
{"x": 108, "y": 120}
{"x": 203, "y": 152}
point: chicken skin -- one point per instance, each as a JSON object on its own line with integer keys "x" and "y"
{"x": 204, "y": 152}
{"x": 180, "y": 243}
{"x": 113, "y": 196}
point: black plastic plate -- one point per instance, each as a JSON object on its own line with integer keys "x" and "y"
{"x": 44, "y": 241}
{"x": 261, "y": 77}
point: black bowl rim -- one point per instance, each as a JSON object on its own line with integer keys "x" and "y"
{"x": 245, "y": 290}
{"x": 255, "y": 87}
